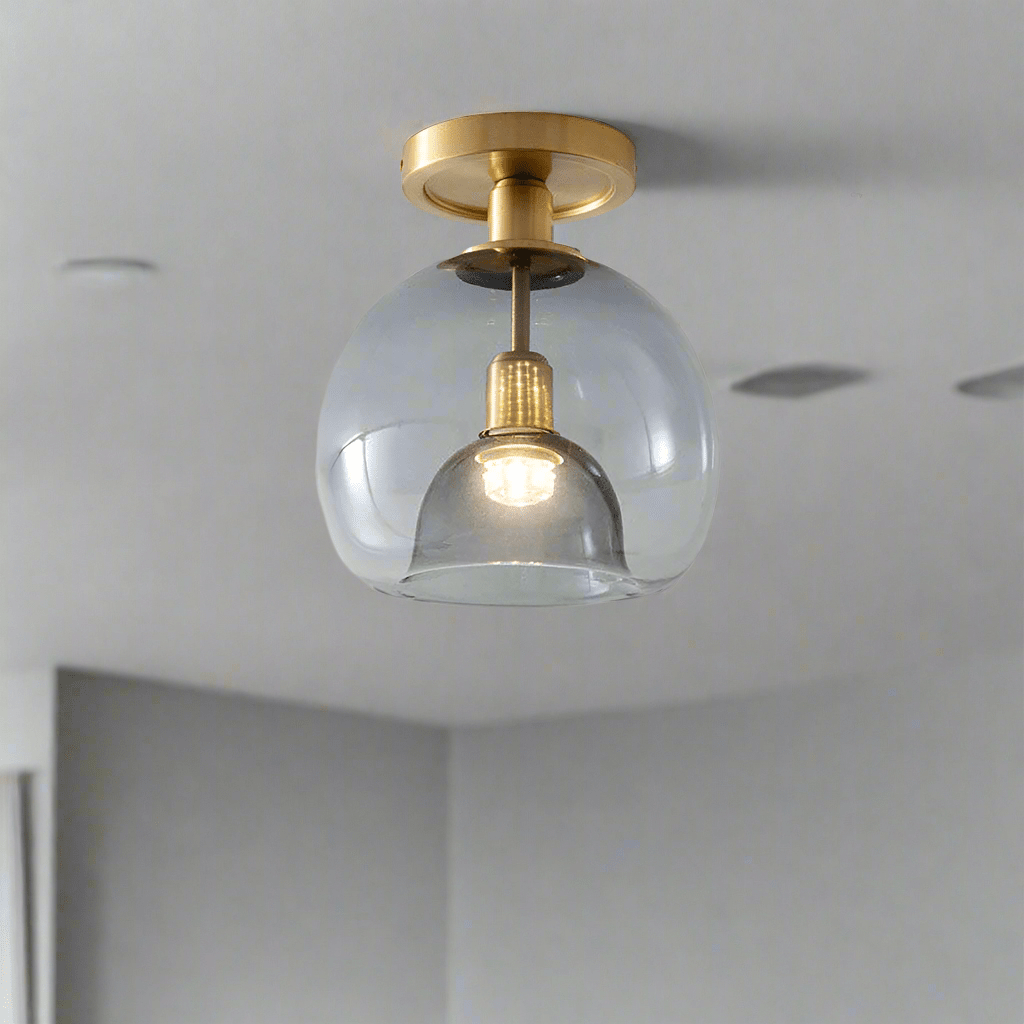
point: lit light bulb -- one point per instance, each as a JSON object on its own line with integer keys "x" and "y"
{"x": 519, "y": 475}
{"x": 519, "y": 481}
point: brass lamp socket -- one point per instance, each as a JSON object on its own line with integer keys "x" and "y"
{"x": 519, "y": 390}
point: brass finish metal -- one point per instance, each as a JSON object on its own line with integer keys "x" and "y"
{"x": 451, "y": 167}
{"x": 504, "y": 249}
{"x": 521, "y": 304}
{"x": 525, "y": 164}
{"x": 519, "y": 171}
{"x": 519, "y": 392}
{"x": 519, "y": 208}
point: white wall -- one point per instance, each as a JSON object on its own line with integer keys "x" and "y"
{"x": 27, "y": 745}
{"x": 850, "y": 852}
{"x": 222, "y": 860}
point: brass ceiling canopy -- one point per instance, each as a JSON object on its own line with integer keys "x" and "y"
{"x": 520, "y": 172}
{"x": 451, "y": 167}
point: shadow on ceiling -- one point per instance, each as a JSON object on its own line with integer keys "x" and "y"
{"x": 799, "y": 381}
{"x": 1008, "y": 383}
{"x": 784, "y": 157}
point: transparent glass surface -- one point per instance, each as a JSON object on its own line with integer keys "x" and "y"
{"x": 406, "y": 402}
{"x": 519, "y": 520}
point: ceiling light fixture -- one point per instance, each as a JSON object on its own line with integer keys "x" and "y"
{"x": 522, "y": 515}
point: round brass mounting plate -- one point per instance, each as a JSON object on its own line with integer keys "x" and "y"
{"x": 450, "y": 167}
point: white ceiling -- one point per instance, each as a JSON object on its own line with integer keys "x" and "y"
{"x": 819, "y": 181}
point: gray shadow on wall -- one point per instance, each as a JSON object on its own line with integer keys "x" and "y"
{"x": 79, "y": 850}
{"x": 225, "y": 858}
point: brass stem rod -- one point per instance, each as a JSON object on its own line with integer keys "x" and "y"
{"x": 521, "y": 307}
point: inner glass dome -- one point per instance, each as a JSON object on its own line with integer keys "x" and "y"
{"x": 616, "y": 504}
{"x": 519, "y": 519}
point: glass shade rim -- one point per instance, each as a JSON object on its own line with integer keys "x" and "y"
{"x": 615, "y": 586}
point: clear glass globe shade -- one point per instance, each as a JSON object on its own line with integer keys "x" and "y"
{"x": 406, "y": 497}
